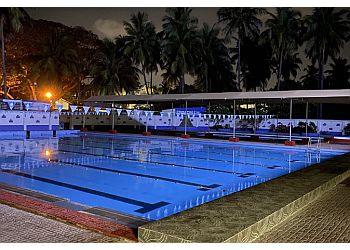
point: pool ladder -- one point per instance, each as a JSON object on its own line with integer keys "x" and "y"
{"x": 317, "y": 149}
{"x": 318, "y": 145}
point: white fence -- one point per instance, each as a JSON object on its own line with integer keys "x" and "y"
{"x": 17, "y": 120}
{"x": 170, "y": 120}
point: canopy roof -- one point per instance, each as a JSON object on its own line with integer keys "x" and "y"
{"x": 312, "y": 96}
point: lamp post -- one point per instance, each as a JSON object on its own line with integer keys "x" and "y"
{"x": 35, "y": 84}
{"x": 48, "y": 95}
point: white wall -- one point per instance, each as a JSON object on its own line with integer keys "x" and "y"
{"x": 28, "y": 119}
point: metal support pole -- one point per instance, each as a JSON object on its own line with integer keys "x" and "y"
{"x": 172, "y": 115}
{"x": 307, "y": 114}
{"x": 146, "y": 122}
{"x": 186, "y": 118}
{"x": 113, "y": 115}
{"x": 234, "y": 119}
{"x": 254, "y": 118}
{"x": 146, "y": 118}
{"x": 290, "y": 119}
{"x": 84, "y": 120}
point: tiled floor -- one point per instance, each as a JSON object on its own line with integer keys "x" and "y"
{"x": 327, "y": 219}
{"x": 19, "y": 226}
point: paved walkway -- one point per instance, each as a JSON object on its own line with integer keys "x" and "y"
{"x": 20, "y": 226}
{"x": 327, "y": 219}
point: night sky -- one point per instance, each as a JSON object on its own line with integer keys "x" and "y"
{"x": 108, "y": 22}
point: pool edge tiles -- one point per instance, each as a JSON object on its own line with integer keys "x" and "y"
{"x": 78, "y": 218}
{"x": 245, "y": 215}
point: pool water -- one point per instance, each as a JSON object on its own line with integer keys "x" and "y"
{"x": 148, "y": 177}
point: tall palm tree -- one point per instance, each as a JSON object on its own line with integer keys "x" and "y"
{"x": 339, "y": 74}
{"x": 141, "y": 40}
{"x": 214, "y": 69}
{"x": 327, "y": 32}
{"x": 283, "y": 32}
{"x": 180, "y": 44}
{"x": 154, "y": 59}
{"x": 56, "y": 66}
{"x": 241, "y": 22}
{"x": 10, "y": 20}
{"x": 291, "y": 66}
{"x": 114, "y": 72}
{"x": 310, "y": 79}
{"x": 256, "y": 63}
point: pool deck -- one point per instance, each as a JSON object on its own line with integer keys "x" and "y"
{"x": 326, "y": 220}
{"x": 34, "y": 203}
{"x": 18, "y": 226}
{"x": 248, "y": 214}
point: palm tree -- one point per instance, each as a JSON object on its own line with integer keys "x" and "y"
{"x": 114, "y": 72}
{"x": 310, "y": 79}
{"x": 214, "y": 69}
{"x": 256, "y": 63}
{"x": 154, "y": 60}
{"x": 56, "y": 66}
{"x": 180, "y": 44}
{"x": 339, "y": 74}
{"x": 243, "y": 22}
{"x": 291, "y": 66}
{"x": 283, "y": 32}
{"x": 327, "y": 32}
{"x": 141, "y": 40}
{"x": 10, "y": 19}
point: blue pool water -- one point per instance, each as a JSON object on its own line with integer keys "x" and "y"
{"x": 145, "y": 177}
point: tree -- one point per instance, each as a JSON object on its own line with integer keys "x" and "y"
{"x": 10, "y": 20}
{"x": 339, "y": 74}
{"x": 283, "y": 32}
{"x": 23, "y": 48}
{"x": 327, "y": 32}
{"x": 154, "y": 60}
{"x": 56, "y": 65}
{"x": 256, "y": 63}
{"x": 214, "y": 69}
{"x": 114, "y": 72}
{"x": 243, "y": 22}
{"x": 310, "y": 79}
{"x": 180, "y": 43}
{"x": 141, "y": 41}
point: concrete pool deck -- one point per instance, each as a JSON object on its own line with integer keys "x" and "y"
{"x": 325, "y": 220}
{"x": 18, "y": 226}
{"x": 248, "y": 214}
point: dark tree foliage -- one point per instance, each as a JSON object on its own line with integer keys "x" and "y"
{"x": 338, "y": 77}
{"x": 213, "y": 69}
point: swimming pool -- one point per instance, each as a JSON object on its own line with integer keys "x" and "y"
{"x": 147, "y": 177}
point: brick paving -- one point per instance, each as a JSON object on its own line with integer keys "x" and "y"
{"x": 47, "y": 209}
{"x": 19, "y": 226}
{"x": 326, "y": 220}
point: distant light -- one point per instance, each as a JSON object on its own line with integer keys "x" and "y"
{"x": 48, "y": 95}
{"x": 47, "y": 152}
